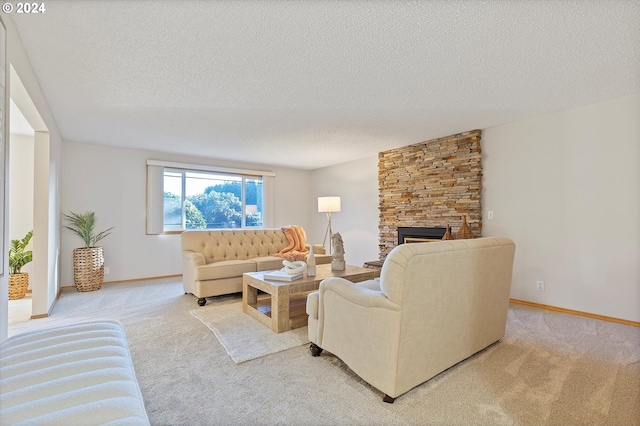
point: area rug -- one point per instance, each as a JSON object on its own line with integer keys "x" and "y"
{"x": 243, "y": 337}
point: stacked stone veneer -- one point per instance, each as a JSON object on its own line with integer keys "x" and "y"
{"x": 430, "y": 184}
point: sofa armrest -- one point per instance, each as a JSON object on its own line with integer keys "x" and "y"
{"x": 317, "y": 248}
{"x": 190, "y": 261}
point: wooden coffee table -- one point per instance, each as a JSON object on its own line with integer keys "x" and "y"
{"x": 283, "y": 307}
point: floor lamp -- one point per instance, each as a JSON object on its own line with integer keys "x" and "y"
{"x": 328, "y": 205}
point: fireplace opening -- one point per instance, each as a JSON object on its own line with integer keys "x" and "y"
{"x": 412, "y": 234}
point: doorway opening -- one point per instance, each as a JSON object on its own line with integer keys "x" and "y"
{"x": 28, "y": 194}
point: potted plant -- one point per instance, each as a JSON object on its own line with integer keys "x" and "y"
{"x": 18, "y": 257}
{"x": 88, "y": 261}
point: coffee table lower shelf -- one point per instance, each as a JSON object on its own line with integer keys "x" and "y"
{"x": 283, "y": 307}
{"x": 297, "y": 310}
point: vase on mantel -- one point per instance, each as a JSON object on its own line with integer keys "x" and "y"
{"x": 447, "y": 234}
{"x": 464, "y": 232}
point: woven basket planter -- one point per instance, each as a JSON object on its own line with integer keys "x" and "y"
{"x": 88, "y": 268}
{"x": 18, "y": 284}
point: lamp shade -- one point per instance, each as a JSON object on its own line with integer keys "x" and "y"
{"x": 328, "y": 204}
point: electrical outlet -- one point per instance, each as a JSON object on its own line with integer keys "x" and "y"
{"x": 490, "y": 215}
{"x": 106, "y": 270}
{"x": 540, "y": 285}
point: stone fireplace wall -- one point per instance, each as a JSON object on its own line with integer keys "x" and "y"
{"x": 430, "y": 184}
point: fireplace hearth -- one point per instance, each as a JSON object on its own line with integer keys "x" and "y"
{"x": 413, "y": 234}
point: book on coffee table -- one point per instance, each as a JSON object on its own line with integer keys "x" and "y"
{"x": 281, "y": 276}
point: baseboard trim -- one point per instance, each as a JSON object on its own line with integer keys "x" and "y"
{"x": 132, "y": 280}
{"x": 579, "y": 313}
{"x": 143, "y": 279}
{"x": 48, "y": 314}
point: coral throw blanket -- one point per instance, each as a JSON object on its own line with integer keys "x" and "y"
{"x": 296, "y": 250}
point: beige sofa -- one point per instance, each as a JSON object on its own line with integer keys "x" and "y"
{"x": 214, "y": 260}
{"x": 434, "y": 305}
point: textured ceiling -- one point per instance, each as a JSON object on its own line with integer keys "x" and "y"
{"x": 313, "y": 83}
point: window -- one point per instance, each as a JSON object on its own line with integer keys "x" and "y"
{"x": 206, "y": 200}
{"x": 181, "y": 197}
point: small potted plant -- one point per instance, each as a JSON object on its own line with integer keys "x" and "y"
{"x": 88, "y": 261}
{"x": 18, "y": 257}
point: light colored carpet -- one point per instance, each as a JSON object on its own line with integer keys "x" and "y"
{"x": 19, "y": 310}
{"x": 244, "y": 337}
{"x": 549, "y": 369}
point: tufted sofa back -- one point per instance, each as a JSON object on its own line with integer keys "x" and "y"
{"x": 234, "y": 244}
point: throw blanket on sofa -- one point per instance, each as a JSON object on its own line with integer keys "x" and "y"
{"x": 296, "y": 250}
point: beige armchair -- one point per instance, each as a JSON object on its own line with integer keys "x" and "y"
{"x": 434, "y": 305}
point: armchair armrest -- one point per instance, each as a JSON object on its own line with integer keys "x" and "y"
{"x": 361, "y": 294}
{"x": 358, "y": 323}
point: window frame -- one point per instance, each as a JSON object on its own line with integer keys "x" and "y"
{"x": 183, "y": 197}
{"x": 155, "y": 193}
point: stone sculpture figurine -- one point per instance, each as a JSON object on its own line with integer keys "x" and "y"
{"x": 337, "y": 264}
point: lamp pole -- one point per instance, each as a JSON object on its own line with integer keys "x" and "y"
{"x": 328, "y": 205}
{"x": 328, "y": 231}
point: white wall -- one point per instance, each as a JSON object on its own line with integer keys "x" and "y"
{"x": 291, "y": 189}
{"x": 566, "y": 188}
{"x": 112, "y": 182}
{"x": 46, "y": 228}
{"x": 356, "y": 183}
{"x": 28, "y": 96}
{"x": 21, "y": 189}
{"x": 4, "y": 190}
